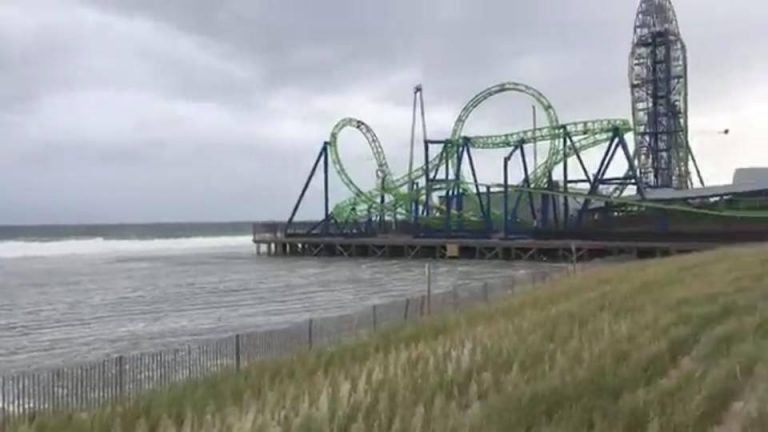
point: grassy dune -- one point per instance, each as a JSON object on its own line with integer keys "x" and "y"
{"x": 676, "y": 344}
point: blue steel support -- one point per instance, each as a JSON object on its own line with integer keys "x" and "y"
{"x": 427, "y": 183}
{"x": 316, "y": 225}
{"x": 369, "y": 220}
{"x": 554, "y": 203}
{"x": 326, "y": 200}
{"x": 382, "y": 200}
{"x": 506, "y": 197}
{"x": 617, "y": 142}
{"x": 544, "y": 221}
{"x": 488, "y": 220}
{"x": 599, "y": 178}
{"x": 485, "y": 213}
{"x": 448, "y": 192}
{"x": 518, "y": 197}
{"x": 415, "y": 203}
{"x": 566, "y": 205}
{"x": 600, "y": 169}
{"x": 322, "y": 154}
{"x": 394, "y": 216}
{"x": 527, "y": 182}
{"x": 631, "y": 163}
{"x": 507, "y": 214}
{"x": 516, "y": 207}
{"x": 442, "y": 159}
{"x": 506, "y": 190}
{"x": 457, "y": 170}
{"x": 576, "y": 151}
{"x": 458, "y": 187}
{"x": 553, "y": 200}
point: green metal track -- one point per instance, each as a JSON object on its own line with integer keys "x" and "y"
{"x": 397, "y": 200}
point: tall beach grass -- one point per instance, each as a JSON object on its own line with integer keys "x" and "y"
{"x": 679, "y": 344}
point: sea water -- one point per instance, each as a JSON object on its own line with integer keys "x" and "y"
{"x": 80, "y": 293}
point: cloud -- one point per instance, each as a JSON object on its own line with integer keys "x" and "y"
{"x": 134, "y": 110}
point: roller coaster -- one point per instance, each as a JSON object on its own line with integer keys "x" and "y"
{"x": 439, "y": 194}
{"x": 568, "y": 193}
{"x": 588, "y": 133}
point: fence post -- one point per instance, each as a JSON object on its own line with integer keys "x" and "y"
{"x": 55, "y": 402}
{"x": 103, "y": 392}
{"x": 189, "y": 361}
{"x": 175, "y": 366}
{"x": 374, "y": 318}
{"x": 309, "y": 334}
{"x": 428, "y": 270}
{"x": 78, "y": 384}
{"x": 573, "y": 257}
{"x": 237, "y": 352}
{"x": 14, "y": 391}
{"x": 19, "y": 395}
{"x": 405, "y": 312}
{"x": 161, "y": 370}
{"x": 23, "y": 396}
{"x": 3, "y": 402}
{"x": 119, "y": 375}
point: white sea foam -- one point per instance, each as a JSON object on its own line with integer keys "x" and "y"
{"x": 95, "y": 246}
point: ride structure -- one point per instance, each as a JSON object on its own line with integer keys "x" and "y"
{"x": 437, "y": 199}
{"x": 658, "y": 79}
{"x": 569, "y": 193}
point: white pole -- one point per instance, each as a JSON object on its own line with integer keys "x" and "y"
{"x": 428, "y": 270}
{"x": 535, "y": 146}
{"x": 535, "y": 153}
{"x": 416, "y": 91}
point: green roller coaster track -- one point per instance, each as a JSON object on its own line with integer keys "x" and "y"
{"x": 585, "y": 135}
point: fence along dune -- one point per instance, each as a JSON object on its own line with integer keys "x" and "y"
{"x": 675, "y": 344}
{"x": 92, "y": 385}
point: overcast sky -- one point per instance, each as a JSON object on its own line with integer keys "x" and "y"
{"x": 147, "y": 110}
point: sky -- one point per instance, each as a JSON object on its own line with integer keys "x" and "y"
{"x": 193, "y": 110}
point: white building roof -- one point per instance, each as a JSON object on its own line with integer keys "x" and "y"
{"x": 705, "y": 192}
{"x": 750, "y": 175}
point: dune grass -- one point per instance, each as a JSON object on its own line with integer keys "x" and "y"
{"x": 665, "y": 345}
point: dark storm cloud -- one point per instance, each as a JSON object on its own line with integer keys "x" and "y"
{"x": 142, "y": 109}
{"x": 325, "y": 46}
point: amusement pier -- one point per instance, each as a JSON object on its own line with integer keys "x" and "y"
{"x": 643, "y": 196}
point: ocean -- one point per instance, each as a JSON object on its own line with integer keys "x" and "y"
{"x": 77, "y": 293}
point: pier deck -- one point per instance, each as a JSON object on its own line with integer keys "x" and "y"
{"x": 483, "y": 249}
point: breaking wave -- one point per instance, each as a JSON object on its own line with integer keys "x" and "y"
{"x": 100, "y": 245}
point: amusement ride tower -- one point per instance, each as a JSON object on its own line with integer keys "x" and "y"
{"x": 658, "y": 78}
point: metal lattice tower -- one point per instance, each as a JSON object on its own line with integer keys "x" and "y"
{"x": 658, "y": 79}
